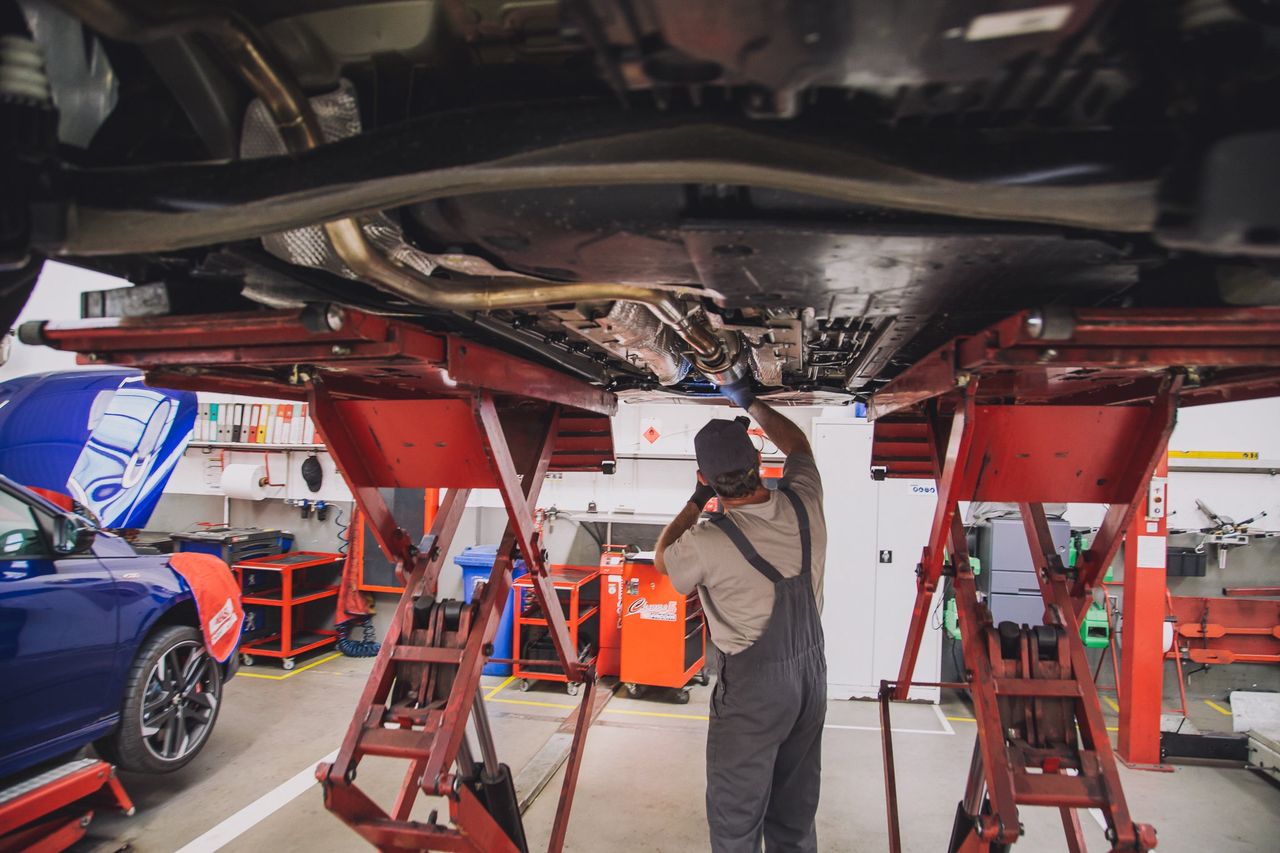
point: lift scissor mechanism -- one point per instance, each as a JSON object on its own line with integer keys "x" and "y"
{"x": 1070, "y": 406}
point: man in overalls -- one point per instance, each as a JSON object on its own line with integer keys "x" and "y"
{"x": 758, "y": 570}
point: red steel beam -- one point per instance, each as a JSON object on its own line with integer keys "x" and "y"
{"x": 950, "y": 456}
{"x": 1141, "y": 681}
{"x": 1104, "y": 354}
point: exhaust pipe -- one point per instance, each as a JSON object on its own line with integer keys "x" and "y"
{"x": 300, "y": 131}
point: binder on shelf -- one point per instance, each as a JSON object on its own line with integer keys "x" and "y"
{"x": 237, "y": 422}
{"x": 260, "y": 427}
{"x": 255, "y": 414}
{"x": 286, "y": 423}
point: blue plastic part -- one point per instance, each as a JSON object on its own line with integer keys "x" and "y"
{"x": 100, "y": 436}
{"x": 476, "y": 563}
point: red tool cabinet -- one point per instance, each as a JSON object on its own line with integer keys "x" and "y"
{"x": 664, "y": 633}
{"x": 289, "y": 601}
{"x": 578, "y": 591}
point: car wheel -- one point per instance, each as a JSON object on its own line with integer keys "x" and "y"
{"x": 171, "y": 700}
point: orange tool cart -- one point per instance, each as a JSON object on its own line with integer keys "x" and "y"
{"x": 609, "y": 659}
{"x": 578, "y": 589}
{"x": 664, "y": 633}
{"x": 289, "y": 601}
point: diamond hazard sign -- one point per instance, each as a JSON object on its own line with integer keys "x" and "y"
{"x": 651, "y": 435}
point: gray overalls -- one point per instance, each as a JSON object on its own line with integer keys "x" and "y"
{"x": 764, "y": 742}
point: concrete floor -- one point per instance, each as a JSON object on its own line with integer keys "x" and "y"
{"x": 641, "y": 786}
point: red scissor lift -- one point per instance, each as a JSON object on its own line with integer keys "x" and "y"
{"x": 402, "y": 407}
{"x": 1063, "y": 407}
{"x": 1074, "y": 407}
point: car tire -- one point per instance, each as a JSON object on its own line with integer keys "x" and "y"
{"x": 172, "y": 695}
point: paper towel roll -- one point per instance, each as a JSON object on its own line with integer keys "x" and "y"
{"x": 244, "y": 481}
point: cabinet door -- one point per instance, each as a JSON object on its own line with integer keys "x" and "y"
{"x": 905, "y": 510}
{"x": 843, "y": 452}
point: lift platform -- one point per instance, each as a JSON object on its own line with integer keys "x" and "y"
{"x": 1074, "y": 407}
{"x": 401, "y": 407}
{"x": 51, "y": 810}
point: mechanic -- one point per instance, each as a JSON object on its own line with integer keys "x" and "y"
{"x": 758, "y": 570}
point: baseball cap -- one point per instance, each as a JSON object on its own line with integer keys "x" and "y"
{"x": 723, "y": 446}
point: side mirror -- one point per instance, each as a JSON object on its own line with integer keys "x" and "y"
{"x": 74, "y": 535}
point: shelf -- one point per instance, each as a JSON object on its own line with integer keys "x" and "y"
{"x": 582, "y": 617}
{"x": 540, "y": 675}
{"x": 250, "y": 445}
{"x": 273, "y": 597}
{"x": 304, "y": 641}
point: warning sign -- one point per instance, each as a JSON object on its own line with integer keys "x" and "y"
{"x": 651, "y": 435}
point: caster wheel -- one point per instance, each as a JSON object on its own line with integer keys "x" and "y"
{"x": 524, "y": 684}
{"x": 246, "y": 660}
{"x": 682, "y": 696}
{"x": 571, "y": 688}
{"x": 702, "y": 678}
{"x": 287, "y": 663}
{"x": 635, "y": 691}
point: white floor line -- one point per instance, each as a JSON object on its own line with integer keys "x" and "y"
{"x": 895, "y": 730}
{"x": 942, "y": 718}
{"x": 1096, "y": 814}
{"x": 257, "y": 811}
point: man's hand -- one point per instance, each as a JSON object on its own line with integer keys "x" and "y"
{"x": 780, "y": 429}
{"x": 701, "y": 495}
{"x": 739, "y": 391}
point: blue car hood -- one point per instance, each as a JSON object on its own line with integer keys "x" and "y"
{"x": 102, "y": 437}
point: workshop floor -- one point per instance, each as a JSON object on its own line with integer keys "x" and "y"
{"x": 641, "y": 786}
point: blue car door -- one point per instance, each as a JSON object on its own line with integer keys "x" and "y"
{"x": 57, "y": 636}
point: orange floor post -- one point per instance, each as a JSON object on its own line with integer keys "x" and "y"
{"x": 1141, "y": 687}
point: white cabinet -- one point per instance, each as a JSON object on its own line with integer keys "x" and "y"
{"x": 875, "y": 532}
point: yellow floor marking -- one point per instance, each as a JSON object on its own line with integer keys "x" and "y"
{"x": 654, "y": 714}
{"x": 1113, "y": 728}
{"x": 495, "y": 691}
{"x": 606, "y": 710}
{"x": 1112, "y": 703}
{"x": 291, "y": 673}
{"x": 962, "y": 719}
{"x": 1215, "y": 706}
{"x": 531, "y": 702}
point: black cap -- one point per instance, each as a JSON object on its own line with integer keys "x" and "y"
{"x": 724, "y": 446}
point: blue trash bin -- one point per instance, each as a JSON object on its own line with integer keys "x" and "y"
{"x": 476, "y": 563}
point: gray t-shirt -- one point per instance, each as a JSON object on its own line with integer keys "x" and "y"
{"x": 738, "y": 599}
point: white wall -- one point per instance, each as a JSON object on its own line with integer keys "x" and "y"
{"x": 56, "y": 297}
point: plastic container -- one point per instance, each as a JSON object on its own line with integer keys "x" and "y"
{"x": 476, "y": 563}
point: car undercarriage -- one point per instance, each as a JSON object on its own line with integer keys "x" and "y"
{"x": 648, "y": 195}
{"x": 463, "y": 231}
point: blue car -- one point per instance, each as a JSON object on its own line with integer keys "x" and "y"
{"x": 98, "y": 644}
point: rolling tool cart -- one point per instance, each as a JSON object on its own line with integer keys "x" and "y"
{"x": 289, "y": 602}
{"x": 578, "y": 592}
{"x": 664, "y": 633}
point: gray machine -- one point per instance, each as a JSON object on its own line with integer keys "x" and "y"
{"x": 1008, "y": 574}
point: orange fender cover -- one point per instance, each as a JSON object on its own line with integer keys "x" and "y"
{"x": 217, "y": 598}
